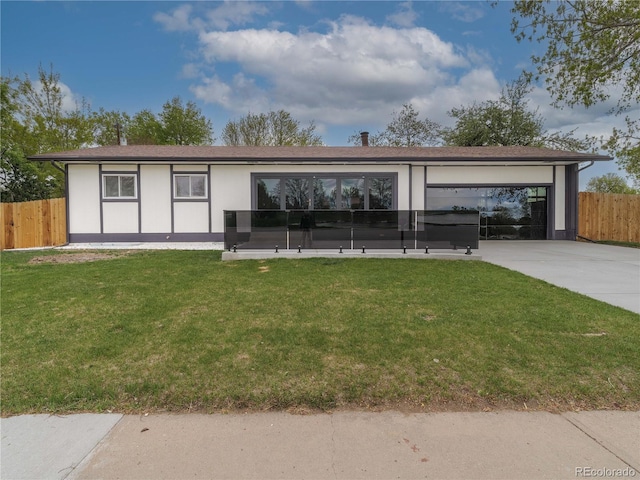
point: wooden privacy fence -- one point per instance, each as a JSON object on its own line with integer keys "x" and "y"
{"x": 609, "y": 216}
{"x": 601, "y": 216}
{"x": 40, "y": 223}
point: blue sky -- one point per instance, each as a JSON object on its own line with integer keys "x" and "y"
{"x": 347, "y": 66}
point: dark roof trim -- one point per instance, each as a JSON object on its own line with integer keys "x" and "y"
{"x": 220, "y": 154}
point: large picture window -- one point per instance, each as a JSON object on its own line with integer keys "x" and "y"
{"x": 325, "y": 192}
{"x": 506, "y": 212}
{"x": 190, "y": 185}
{"x": 119, "y": 186}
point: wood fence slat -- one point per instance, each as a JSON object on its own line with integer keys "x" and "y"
{"x": 601, "y": 216}
{"x": 609, "y": 216}
{"x": 40, "y": 223}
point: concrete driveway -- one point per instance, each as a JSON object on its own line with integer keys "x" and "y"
{"x": 604, "y": 272}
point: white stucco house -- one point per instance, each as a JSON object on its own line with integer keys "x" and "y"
{"x": 180, "y": 193}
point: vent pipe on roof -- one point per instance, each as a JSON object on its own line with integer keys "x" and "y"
{"x": 364, "y": 137}
{"x": 121, "y": 138}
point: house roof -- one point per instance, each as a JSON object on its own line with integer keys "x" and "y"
{"x": 264, "y": 154}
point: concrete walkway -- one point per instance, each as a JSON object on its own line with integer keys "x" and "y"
{"x": 607, "y": 273}
{"x": 342, "y": 445}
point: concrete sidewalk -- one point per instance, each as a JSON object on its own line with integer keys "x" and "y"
{"x": 342, "y": 445}
{"x": 607, "y": 273}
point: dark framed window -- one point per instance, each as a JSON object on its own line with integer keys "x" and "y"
{"x": 506, "y": 212}
{"x": 190, "y": 185}
{"x": 369, "y": 191}
{"x": 119, "y": 186}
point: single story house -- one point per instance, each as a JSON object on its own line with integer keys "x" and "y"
{"x": 152, "y": 193}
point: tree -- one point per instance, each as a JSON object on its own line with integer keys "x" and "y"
{"x": 50, "y": 127}
{"x": 592, "y": 53}
{"x": 144, "y": 129}
{"x": 609, "y": 183}
{"x": 33, "y": 121}
{"x": 506, "y": 121}
{"x": 269, "y": 129}
{"x": 177, "y": 124}
{"x": 107, "y": 125}
{"x": 184, "y": 124}
{"x": 404, "y": 130}
{"x": 20, "y": 180}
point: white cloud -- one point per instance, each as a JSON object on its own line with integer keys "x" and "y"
{"x": 235, "y": 13}
{"x": 334, "y": 76}
{"x": 227, "y": 14}
{"x": 70, "y": 101}
{"x": 405, "y": 17}
{"x": 178, "y": 20}
{"x": 190, "y": 71}
{"x": 465, "y": 12}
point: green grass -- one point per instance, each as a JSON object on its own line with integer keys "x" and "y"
{"x": 183, "y": 331}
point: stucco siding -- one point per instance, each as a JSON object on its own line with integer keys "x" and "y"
{"x": 230, "y": 190}
{"x": 488, "y": 175}
{"x": 155, "y": 198}
{"x": 120, "y": 217}
{"x": 119, "y": 168}
{"x": 84, "y": 198}
{"x": 417, "y": 188}
{"x": 190, "y": 168}
{"x": 190, "y": 217}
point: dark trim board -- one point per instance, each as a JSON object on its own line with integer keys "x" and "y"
{"x": 145, "y": 237}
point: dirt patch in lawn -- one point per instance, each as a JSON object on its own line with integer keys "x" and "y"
{"x": 80, "y": 257}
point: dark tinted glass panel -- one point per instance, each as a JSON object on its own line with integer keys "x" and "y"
{"x": 268, "y": 193}
{"x": 297, "y": 193}
{"x": 382, "y": 229}
{"x": 380, "y": 193}
{"x": 447, "y": 229}
{"x": 340, "y": 228}
{"x": 252, "y": 229}
{"x": 325, "y": 193}
{"x": 352, "y": 190}
{"x": 506, "y": 212}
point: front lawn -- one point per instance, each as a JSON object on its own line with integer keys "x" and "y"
{"x": 183, "y": 331}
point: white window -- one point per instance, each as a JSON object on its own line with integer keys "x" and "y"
{"x": 190, "y": 186}
{"x": 119, "y": 186}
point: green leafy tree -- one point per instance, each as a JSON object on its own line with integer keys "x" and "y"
{"x": 592, "y": 53}
{"x": 609, "y": 183}
{"x": 505, "y": 122}
{"x": 269, "y": 129}
{"x": 107, "y": 125}
{"x": 177, "y": 124}
{"x": 34, "y": 121}
{"x": 51, "y": 128}
{"x": 405, "y": 130}
{"x": 144, "y": 129}
{"x": 20, "y": 180}
{"x": 184, "y": 124}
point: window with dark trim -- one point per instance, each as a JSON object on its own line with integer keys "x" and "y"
{"x": 325, "y": 191}
{"x": 119, "y": 186}
{"x": 190, "y": 185}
